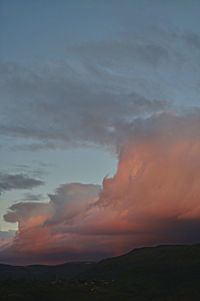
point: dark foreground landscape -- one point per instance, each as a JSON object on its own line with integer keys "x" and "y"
{"x": 158, "y": 273}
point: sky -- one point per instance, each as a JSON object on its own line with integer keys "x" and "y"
{"x": 99, "y": 127}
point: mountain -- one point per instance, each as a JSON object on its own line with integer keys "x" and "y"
{"x": 161, "y": 257}
{"x": 43, "y": 272}
{"x": 162, "y": 273}
{"x": 154, "y": 273}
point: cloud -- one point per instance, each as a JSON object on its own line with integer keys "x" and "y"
{"x": 98, "y": 86}
{"x": 153, "y": 198}
{"x": 137, "y": 94}
{"x": 32, "y": 197}
{"x": 6, "y": 238}
{"x": 28, "y": 214}
{"x": 17, "y": 181}
{"x": 38, "y": 224}
{"x": 192, "y": 39}
{"x": 53, "y": 114}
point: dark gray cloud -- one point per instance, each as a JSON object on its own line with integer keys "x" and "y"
{"x": 17, "y": 181}
{"x": 57, "y": 110}
{"x": 192, "y": 39}
{"x": 83, "y": 99}
{"x": 37, "y": 170}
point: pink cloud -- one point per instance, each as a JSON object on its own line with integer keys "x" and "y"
{"x": 153, "y": 198}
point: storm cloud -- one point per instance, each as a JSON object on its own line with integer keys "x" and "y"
{"x": 132, "y": 88}
{"x": 153, "y": 198}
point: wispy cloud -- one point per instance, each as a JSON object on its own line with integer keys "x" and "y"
{"x": 17, "y": 181}
{"x": 117, "y": 80}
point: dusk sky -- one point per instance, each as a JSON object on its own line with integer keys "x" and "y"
{"x": 99, "y": 127}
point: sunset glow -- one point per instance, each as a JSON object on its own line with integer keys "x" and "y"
{"x": 115, "y": 100}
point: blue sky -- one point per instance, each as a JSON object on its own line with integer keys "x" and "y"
{"x": 71, "y": 72}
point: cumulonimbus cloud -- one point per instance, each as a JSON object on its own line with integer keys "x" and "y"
{"x": 153, "y": 198}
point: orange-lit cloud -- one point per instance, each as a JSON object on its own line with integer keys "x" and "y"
{"x": 153, "y": 198}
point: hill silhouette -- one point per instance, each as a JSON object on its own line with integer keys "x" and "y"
{"x": 168, "y": 272}
{"x": 43, "y": 272}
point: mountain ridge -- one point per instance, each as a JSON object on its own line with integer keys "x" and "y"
{"x": 158, "y": 255}
{"x": 159, "y": 273}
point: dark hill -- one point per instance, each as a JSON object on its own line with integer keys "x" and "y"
{"x": 166, "y": 256}
{"x": 43, "y": 272}
{"x": 163, "y": 273}
{"x": 156, "y": 273}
